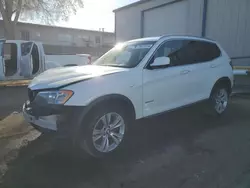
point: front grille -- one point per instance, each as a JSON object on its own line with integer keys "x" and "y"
{"x": 31, "y": 95}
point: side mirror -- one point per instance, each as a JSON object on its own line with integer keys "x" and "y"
{"x": 160, "y": 62}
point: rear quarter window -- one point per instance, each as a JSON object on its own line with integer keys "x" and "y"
{"x": 209, "y": 51}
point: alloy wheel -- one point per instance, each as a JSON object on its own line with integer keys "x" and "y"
{"x": 108, "y": 132}
{"x": 221, "y": 100}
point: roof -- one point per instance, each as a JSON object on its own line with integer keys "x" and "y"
{"x": 188, "y": 37}
{"x": 156, "y": 38}
{"x": 20, "y": 41}
{"x": 131, "y": 5}
{"x": 60, "y": 27}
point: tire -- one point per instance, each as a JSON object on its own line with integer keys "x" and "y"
{"x": 218, "y": 101}
{"x": 104, "y": 131}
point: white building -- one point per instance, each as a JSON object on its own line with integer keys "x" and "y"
{"x": 227, "y": 21}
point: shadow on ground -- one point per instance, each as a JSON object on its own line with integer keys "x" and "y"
{"x": 39, "y": 166}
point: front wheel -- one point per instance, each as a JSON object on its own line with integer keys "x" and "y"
{"x": 105, "y": 131}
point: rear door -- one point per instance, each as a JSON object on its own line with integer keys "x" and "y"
{"x": 2, "y": 66}
{"x": 206, "y": 58}
{"x": 41, "y": 57}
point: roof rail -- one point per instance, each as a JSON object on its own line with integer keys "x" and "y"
{"x": 199, "y": 37}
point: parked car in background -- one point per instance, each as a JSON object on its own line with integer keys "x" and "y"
{"x": 26, "y": 59}
{"x": 93, "y": 106}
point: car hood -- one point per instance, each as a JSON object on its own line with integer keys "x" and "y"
{"x": 59, "y": 77}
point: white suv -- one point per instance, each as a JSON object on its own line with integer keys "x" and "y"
{"x": 93, "y": 105}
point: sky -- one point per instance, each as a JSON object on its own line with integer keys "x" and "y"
{"x": 96, "y": 14}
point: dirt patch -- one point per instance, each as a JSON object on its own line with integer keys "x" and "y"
{"x": 15, "y": 133}
{"x": 10, "y": 147}
{"x": 13, "y": 125}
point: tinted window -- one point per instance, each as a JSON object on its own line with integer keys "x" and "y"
{"x": 209, "y": 51}
{"x": 1, "y": 48}
{"x": 183, "y": 52}
{"x": 180, "y": 52}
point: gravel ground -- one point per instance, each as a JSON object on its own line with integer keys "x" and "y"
{"x": 181, "y": 149}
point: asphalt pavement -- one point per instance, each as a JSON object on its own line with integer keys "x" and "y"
{"x": 181, "y": 149}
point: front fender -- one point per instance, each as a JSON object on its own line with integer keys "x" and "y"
{"x": 93, "y": 90}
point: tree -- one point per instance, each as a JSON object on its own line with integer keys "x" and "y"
{"x": 46, "y": 11}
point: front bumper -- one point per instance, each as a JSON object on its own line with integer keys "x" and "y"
{"x": 60, "y": 119}
{"x": 42, "y": 123}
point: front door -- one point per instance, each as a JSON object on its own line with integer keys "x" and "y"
{"x": 42, "y": 58}
{"x": 169, "y": 87}
{"x": 11, "y": 60}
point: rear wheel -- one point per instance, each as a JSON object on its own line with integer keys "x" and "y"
{"x": 219, "y": 101}
{"x": 105, "y": 132}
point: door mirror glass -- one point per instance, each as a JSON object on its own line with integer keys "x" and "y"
{"x": 160, "y": 62}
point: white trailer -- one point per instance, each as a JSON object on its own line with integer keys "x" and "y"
{"x": 25, "y": 59}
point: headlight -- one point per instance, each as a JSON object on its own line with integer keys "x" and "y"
{"x": 56, "y": 97}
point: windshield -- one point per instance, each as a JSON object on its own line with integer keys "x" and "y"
{"x": 126, "y": 55}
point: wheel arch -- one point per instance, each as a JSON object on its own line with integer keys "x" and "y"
{"x": 223, "y": 81}
{"x": 115, "y": 99}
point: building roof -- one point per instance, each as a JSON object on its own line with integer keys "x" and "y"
{"x": 131, "y": 5}
{"x": 60, "y": 27}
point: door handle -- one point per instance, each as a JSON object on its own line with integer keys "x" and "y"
{"x": 185, "y": 71}
{"x": 213, "y": 66}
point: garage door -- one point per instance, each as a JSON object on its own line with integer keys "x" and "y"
{"x": 168, "y": 19}
{"x": 228, "y": 21}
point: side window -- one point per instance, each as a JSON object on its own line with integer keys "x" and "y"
{"x": 210, "y": 51}
{"x": 180, "y": 52}
{"x": 26, "y": 47}
{"x": 1, "y": 48}
{"x": 202, "y": 51}
{"x": 10, "y": 58}
{"x": 185, "y": 52}
{"x": 193, "y": 52}
{"x": 35, "y": 59}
